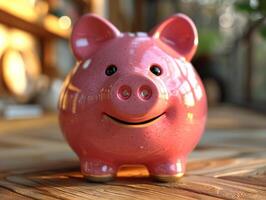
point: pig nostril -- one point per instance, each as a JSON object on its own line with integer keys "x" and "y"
{"x": 145, "y": 92}
{"x": 124, "y": 92}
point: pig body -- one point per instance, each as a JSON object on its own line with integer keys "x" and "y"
{"x": 133, "y": 98}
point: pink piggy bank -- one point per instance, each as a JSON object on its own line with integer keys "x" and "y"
{"x": 133, "y": 98}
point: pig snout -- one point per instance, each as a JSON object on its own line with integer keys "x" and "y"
{"x": 136, "y": 97}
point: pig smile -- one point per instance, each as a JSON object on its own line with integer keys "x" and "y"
{"x": 138, "y": 124}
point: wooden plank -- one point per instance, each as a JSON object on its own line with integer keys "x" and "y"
{"x": 47, "y": 122}
{"x": 11, "y": 195}
{"x": 25, "y": 191}
{"x": 229, "y": 117}
{"x": 69, "y": 183}
{"x": 230, "y": 165}
{"x": 221, "y": 188}
{"x": 247, "y": 180}
{"x": 247, "y": 140}
{"x": 256, "y": 176}
{"x": 37, "y": 163}
{"x": 65, "y": 186}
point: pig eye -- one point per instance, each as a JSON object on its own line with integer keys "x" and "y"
{"x": 110, "y": 70}
{"x": 155, "y": 69}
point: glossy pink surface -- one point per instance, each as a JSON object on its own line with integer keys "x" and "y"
{"x": 133, "y": 116}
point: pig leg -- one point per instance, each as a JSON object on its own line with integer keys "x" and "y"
{"x": 167, "y": 171}
{"x": 98, "y": 171}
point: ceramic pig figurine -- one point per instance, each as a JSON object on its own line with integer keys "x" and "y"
{"x": 133, "y": 98}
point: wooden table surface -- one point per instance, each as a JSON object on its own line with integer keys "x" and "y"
{"x": 229, "y": 163}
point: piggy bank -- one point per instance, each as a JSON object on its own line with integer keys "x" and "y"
{"x": 133, "y": 98}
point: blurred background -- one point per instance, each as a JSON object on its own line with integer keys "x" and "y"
{"x": 35, "y": 55}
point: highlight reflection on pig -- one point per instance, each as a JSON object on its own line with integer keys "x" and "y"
{"x": 133, "y": 98}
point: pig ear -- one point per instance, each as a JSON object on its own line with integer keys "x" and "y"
{"x": 179, "y": 32}
{"x": 89, "y": 33}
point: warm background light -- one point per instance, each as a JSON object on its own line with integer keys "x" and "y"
{"x": 52, "y": 23}
{"x": 20, "y": 63}
{"x": 64, "y": 22}
{"x": 20, "y": 40}
{"x": 21, "y": 8}
{"x": 3, "y": 39}
{"x": 37, "y": 12}
{"x": 14, "y": 72}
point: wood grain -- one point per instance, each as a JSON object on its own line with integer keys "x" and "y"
{"x": 229, "y": 163}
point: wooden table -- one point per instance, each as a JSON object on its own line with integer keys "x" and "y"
{"x": 229, "y": 163}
